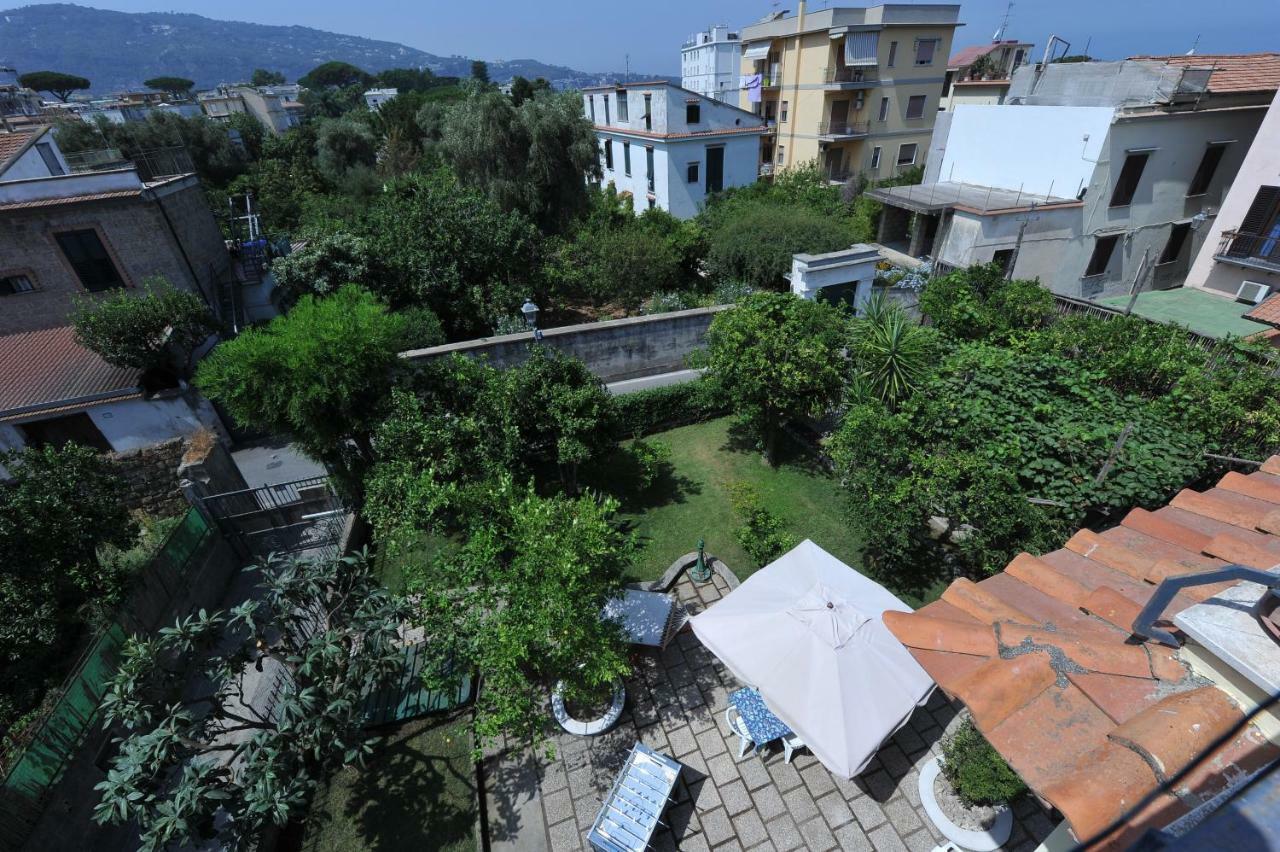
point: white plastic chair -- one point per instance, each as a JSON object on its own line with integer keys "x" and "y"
{"x": 736, "y": 726}
{"x": 789, "y": 746}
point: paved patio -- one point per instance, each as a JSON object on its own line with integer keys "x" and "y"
{"x": 675, "y": 704}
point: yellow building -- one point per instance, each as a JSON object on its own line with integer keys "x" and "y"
{"x": 856, "y": 89}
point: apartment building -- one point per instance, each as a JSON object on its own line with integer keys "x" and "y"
{"x": 981, "y": 74}
{"x": 709, "y": 63}
{"x": 855, "y": 89}
{"x": 375, "y": 98}
{"x": 1097, "y": 178}
{"x": 275, "y": 112}
{"x": 667, "y": 147}
{"x": 67, "y": 233}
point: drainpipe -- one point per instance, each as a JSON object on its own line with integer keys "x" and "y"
{"x": 795, "y": 86}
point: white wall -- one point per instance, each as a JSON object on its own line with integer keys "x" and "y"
{"x": 1039, "y": 149}
{"x": 86, "y": 183}
{"x": 1050, "y": 240}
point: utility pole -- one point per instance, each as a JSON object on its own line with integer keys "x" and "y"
{"x": 1017, "y": 246}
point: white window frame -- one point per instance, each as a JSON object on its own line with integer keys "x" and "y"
{"x": 875, "y": 157}
{"x": 915, "y": 152}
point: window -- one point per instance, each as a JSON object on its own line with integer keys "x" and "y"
{"x": 591, "y": 102}
{"x": 693, "y": 173}
{"x": 648, "y": 112}
{"x": 605, "y": 98}
{"x": 715, "y": 169}
{"x": 648, "y": 164}
{"x": 1101, "y": 258}
{"x": 626, "y": 158}
{"x": 608, "y": 154}
{"x": 1003, "y": 258}
{"x": 692, "y": 113}
{"x": 884, "y": 109}
{"x": 786, "y": 106}
{"x": 925, "y": 48}
{"x": 622, "y": 104}
{"x": 915, "y": 106}
{"x": 893, "y": 53}
{"x": 1130, "y": 176}
{"x": 1177, "y": 238}
{"x": 13, "y": 284}
{"x": 50, "y": 159}
{"x": 907, "y": 154}
{"x": 1205, "y": 171}
{"x": 782, "y": 150}
{"x": 875, "y": 158}
{"x": 89, "y": 258}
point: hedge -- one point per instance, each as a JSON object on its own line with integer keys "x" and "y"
{"x": 656, "y": 409}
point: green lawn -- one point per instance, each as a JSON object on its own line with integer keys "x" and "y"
{"x": 417, "y": 792}
{"x": 692, "y": 500}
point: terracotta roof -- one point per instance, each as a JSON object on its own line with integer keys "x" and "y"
{"x": 13, "y": 143}
{"x": 1232, "y": 72}
{"x": 71, "y": 199}
{"x": 1268, "y": 311}
{"x": 1091, "y": 718}
{"x": 48, "y": 369}
{"x": 967, "y": 55}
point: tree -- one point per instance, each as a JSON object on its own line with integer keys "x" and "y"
{"x": 891, "y": 352}
{"x": 520, "y": 603}
{"x": 252, "y": 133}
{"x": 624, "y": 259}
{"x": 334, "y": 75}
{"x": 410, "y": 79}
{"x": 979, "y": 303}
{"x": 778, "y": 357}
{"x": 755, "y": 243}
{"x": 480, "y": 70}
{"x": 263, "y": 77}
{"x": 523, "y": 90}
{"x": 344, "y": 145}
{"x": 61, "y": 505}
{"x": 321, "y": 373}
{"x": 326, "y": 263}
{"x": 210, "y": 763}
{"x": 157, "y": 330}
{"x": 56, "y": 83}
{"x": 176, "y": 86}
{"x": 563, "y": 411}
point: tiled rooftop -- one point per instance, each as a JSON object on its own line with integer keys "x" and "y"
{"x": 1090, "y": 717}
{"x": 967, "y": 55}
{"x": 1268, "y": 311}
{"x": 12, "y": 143}
{"x": 48, "y": 368}
{"x": 1233, "y": 72}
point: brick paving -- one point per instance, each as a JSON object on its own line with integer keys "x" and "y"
{"x": 675, "y": 704}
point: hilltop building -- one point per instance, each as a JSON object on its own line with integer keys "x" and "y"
{"x": 855, "y": 89}
{"x": 667, "y": 147}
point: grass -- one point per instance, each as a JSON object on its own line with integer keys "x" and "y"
{"x": 691, "y": 499}
{"x": 416, "y": 792}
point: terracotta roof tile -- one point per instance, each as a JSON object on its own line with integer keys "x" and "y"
{"x": 42, "y": 369}
{"x": 1043, "y": 655}
{"x": 966, "y": 55}
{"x": 1238, "y": 72}
{"x": 14, "y": 143}
{"x": 1268, "y": 311}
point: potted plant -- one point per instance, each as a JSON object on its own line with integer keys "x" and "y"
{"x": 966, "y": 791}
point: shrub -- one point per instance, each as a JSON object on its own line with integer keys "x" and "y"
{"x": 976, "y": 770}
{"x": 762, "y": 534}
{"x": 651, "y": 458}
{"x": 656, "y": 409}
{"x": 978, "y": 303}
{"x": 755, "y": 242}
{"x": 422, "y": 329}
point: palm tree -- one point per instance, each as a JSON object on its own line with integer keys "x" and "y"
{"x": 891, "y": 353}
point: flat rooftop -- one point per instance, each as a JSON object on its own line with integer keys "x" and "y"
{"x": 934, "y": 197}
{"x": 1198, "y": 310}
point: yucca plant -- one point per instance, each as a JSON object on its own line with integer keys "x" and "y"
{"x": 891, "y": 353}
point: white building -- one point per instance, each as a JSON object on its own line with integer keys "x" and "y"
{"x": 709, "y": 63}
{"x": 664, "y": 146}
{"x": 375, "y": 98}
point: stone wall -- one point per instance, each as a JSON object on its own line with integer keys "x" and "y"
{"x": 151, "y": 478}
{"x": 614, "y": 349}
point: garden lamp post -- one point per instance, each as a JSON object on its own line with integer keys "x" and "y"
{"x": 530, "y": 311}
{"x": 701, "y": 572}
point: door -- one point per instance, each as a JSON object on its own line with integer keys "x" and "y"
{"x": 715, "y": 169}
{"x": 839, "y": 116}
{"x": 835, "y": 164}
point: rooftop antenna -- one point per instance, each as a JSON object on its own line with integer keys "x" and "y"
{"x": 628, "y": 72}
{"x": 1004, "y": 23}
{"x": 1194, "y": 45}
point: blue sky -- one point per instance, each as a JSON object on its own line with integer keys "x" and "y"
{"x": 596, "y": 36}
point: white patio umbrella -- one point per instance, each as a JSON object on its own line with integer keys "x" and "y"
{"x": 806, "y": 630}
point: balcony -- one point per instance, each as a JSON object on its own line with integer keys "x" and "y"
{"x": 833, "y": 130}
{"x": 1253, "y": 251}
{"x": 766, "y": 170}
{"x": 839, "y": 78}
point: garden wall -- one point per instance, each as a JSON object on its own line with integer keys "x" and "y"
{"x": 151, "y": 478}
{"x": 614, "y": 349}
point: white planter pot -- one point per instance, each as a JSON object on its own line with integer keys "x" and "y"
{"x": 975, "y": 841}
{"x": 595, "y": 726}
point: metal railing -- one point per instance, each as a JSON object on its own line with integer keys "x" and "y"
{"x": 96, "y": 161}
{"x": 1256, "y": 249}
{"x": 844, "y": 128}
{"x": 162, "y": 162}
{"x": 849, "y": 74}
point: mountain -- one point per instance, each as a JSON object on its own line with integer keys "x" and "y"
{"x": 118, "y": 50}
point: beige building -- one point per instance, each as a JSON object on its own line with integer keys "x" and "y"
{"x": 275, "y": 112}
{"x": 855, "y": 89}
{"x": 980, "y": 75}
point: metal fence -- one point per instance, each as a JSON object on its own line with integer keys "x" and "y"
{"x": 292, "y": 517}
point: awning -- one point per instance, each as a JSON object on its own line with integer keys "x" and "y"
{"x": 861, "y": 48}
{"x": 759, "y": 50}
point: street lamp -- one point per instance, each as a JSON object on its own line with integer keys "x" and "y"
{"x": 530, "y": 311}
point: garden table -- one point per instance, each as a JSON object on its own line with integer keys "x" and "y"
{"x": 763, "y": 726}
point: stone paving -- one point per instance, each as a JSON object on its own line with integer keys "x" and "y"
{"x": 675, "y": 704}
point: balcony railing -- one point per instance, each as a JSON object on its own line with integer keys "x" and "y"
{"x": 849, "y": 75}
{"x": 766, "y": 169}
{"x": 1256, "y": 250}
{"x": 835, "y": 175}
{"x": 96, "y": 161}
{"x": 843, "y": 128}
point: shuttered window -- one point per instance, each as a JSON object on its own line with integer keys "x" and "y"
{"x": 1130, "y": 177}
{"x": 89, "y": 258}
{"x": 1262, "y": 212}
{"x": 1206, "y": 170}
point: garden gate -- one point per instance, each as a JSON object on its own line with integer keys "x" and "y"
{"x": 290, "y": 518}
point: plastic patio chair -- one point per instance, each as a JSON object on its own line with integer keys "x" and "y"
{"x": 790, "y": 745}
{"x": 736, "y": 726}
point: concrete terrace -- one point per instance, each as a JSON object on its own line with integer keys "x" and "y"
{"x": 675, "y": 704}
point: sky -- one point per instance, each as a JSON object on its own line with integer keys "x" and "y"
{"x": 598, "y": 36}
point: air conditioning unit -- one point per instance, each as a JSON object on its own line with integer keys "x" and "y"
{"x": 1252, "y": 292}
